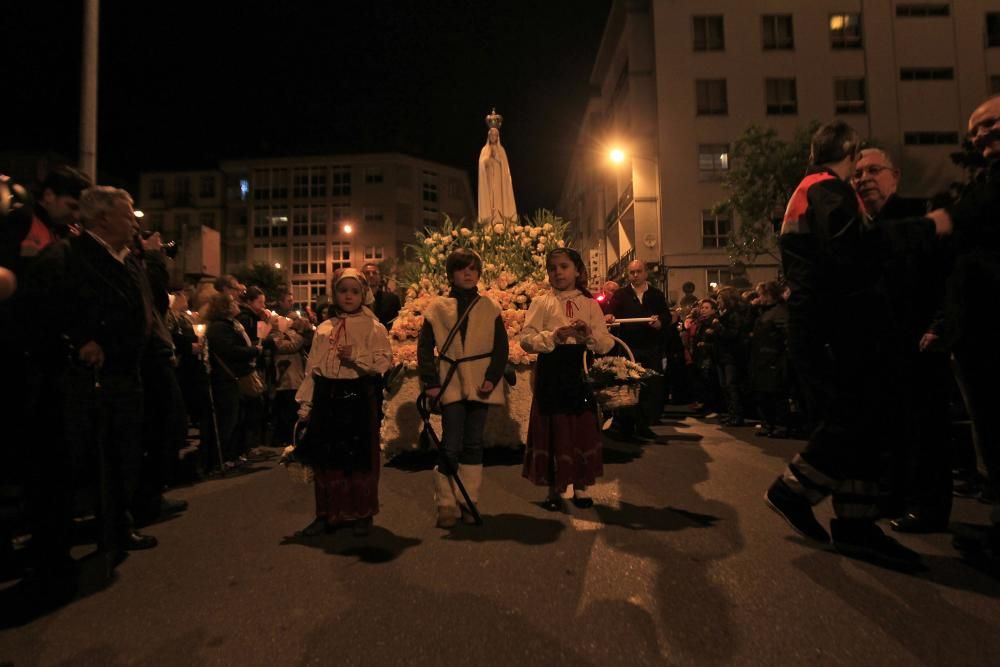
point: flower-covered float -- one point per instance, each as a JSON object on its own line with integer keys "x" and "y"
{"x": 513, "y": 255}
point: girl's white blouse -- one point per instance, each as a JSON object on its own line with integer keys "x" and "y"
{"x": 370, "y": 353}
{"x": 549, "y": 312}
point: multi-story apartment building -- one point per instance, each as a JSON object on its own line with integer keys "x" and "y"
{"x": 308, "y": 216}
{"x": 678, "y": 81}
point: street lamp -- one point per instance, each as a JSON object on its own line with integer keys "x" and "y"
{"x": 617, "y": 155}
{"x": 348, "y": 228}
{"x": 277, "y": 265}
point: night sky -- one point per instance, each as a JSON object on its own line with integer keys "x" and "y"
{"x": 184, "y": 84}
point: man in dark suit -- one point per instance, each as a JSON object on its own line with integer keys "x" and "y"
{"x": 89, "y": 309}
{"x": 387, "y": 305}
{"x": 919, "y": 472}
{"x": 640, "y": 299}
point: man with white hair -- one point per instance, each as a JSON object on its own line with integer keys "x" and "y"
{"x": 89, "y": 304}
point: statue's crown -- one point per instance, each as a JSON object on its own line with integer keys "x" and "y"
{"x": 494, "y": 119}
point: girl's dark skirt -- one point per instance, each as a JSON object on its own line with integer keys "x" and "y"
{"x": 564, "y": 439}
{"x": 342, "y": 447}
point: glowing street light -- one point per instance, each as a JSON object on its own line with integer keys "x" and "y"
{"x": 277, "y": 265}
{"x": 138, "y": 213}
{"x": 617, "y": 155}
{"x": 348, "y": 228}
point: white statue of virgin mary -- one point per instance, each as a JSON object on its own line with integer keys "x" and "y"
{"x": 496, "y": 193}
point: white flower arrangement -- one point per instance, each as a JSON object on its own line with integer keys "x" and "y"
{"x": 612, "y": 371}
{"x": 513, "y": 273}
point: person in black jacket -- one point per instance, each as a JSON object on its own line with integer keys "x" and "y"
{"x": 90, "y": 309}
{"x": 386, "y": 304}
{"x": 832, "y": 262}
{"x": 769, "y": 361}
{"x": 232, "y": 356}
{"x": 640, "y": 299}
{"x": 732, "y": 331}
{"x": 974, "y": 282}
{"x": 918, "y": 489}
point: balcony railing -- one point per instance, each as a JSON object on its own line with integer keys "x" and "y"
{"x": 624, "y": 201}
{"x": 617, "y": 270}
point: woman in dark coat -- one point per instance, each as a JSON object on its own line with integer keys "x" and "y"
{"x": 232, "y": 356}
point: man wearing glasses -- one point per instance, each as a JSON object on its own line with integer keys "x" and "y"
{"x": 915, "y": 269}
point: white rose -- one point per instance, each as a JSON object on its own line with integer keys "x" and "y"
{"x": 498, "y": 228}
{"x": 520, "y": 298}
{"x": 466, "y": 232}
{"x": 541, "y": 239}
{"x": 534, "y": 231}
{"x": 540, "y": 247}
{"x": 454, "y": 233}
{"x": 474, "y": 239}
{"x": 434, "y": 261}
{"x": 526, "y": 242}
{"x": 561, "y": 244}
{"x": 428, "y": 241}
{"x": 519, "y": 229}
{"x": 547, "y": 226}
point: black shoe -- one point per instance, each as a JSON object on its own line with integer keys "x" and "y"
{"x": 583, "y": 502}
{"x": 796, "y": 510}
{"x": 362, "y": 527}
{"x": 915, "y": 523}
{"x": 134, "y": 541}
{"x": 551, "y": 504}
{"x": 317, "y": 527}
{"x": 863, "y": 540}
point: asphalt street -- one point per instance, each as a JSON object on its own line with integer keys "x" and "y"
{"x": 679, "y": 563}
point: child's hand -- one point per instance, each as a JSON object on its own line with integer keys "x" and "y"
{"x": 486, "y": 389}
{"x": 562, "y": 333}
{"x": 582, "y": 328}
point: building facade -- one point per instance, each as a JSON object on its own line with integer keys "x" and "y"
{"x": 676, "y": 82}
{"x": 309, "y": 216}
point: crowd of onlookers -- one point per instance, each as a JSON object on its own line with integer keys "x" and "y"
{"x": 111, "y": 373}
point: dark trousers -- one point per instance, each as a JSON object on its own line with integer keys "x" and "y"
{"x": 730, "y": 379}
{"x": 650, "y": 405}
{"x": 840, "y": 370}
{"x": 226, "y": 405}
{"x": 976, "y": 369}
{"x": 286, "y": 413}
{"x": 462, "y": 424}
{"x": 773, "y": 408}
{"x": 100, "y": 438}
{"x": 920, "y": 461}
{"x": 164, "y": 429}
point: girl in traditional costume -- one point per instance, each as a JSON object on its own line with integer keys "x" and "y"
{"x": 564, "y": 438}
{"x": 341, "y": 399}
{"x": 468, "y": 333}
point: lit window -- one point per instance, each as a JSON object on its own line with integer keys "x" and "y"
{"x": 340, "y": 254}
{"x": 374, "y": 252}
{"x": 308, "y": 258}
{"x": 713, "y": 160}
{"x": 845, "y": 31}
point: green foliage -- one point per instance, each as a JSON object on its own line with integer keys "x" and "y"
{"x": 764, "y": 172}
{"x": 264, "y": 276}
